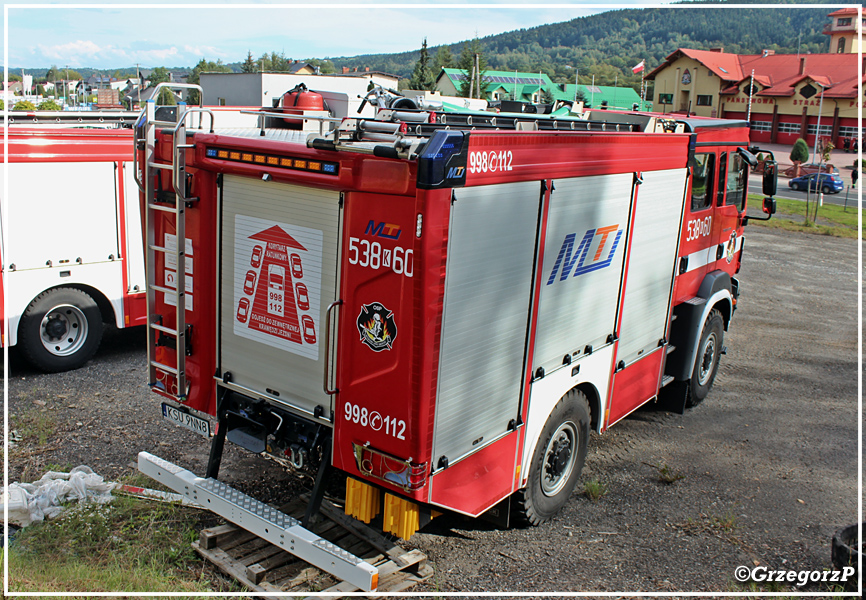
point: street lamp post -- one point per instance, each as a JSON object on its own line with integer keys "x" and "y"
{"x": 818, "y": 127}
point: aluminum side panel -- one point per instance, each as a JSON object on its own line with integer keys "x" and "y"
{"x": 278, "y": 274}
{"x": 653, "y": 254}
{"x": 582, "y": 266}
{"x": 488, "y": 287}
{"x": 74, "y": 223}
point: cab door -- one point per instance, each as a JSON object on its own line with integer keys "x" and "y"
{"x": 729, "y": 209}
{"x": 697, "y": 247}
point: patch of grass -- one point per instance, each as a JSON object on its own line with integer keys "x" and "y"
{"x": 668, "y": 475}
{"x": 594, "y": 489}
{"x": 34, "y": 427}
{"x": 128, "y": 545}
{"x": 833, "y": 220}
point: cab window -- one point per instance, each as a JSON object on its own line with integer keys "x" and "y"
{"x": 736, "y": 181}
{"x": 702, "y": 166}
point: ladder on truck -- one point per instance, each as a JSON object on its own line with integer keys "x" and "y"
{"x": 282, "y": 530}
{"x": 174, "y": 335}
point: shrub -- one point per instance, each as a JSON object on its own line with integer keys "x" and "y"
{"x": 800, "y": 151}
{"x": 49, "y": 105}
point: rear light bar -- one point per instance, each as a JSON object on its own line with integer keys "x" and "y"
{"x": 404, "y": 474}
{"x": 270, "y": 160}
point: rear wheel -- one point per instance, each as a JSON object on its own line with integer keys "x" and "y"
{"x": 60, "y": 330}
{"x": 707, "y": 360}
{"x": 826, "y": 189}
{"x": 556, "y": 462}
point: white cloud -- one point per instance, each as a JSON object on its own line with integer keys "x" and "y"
{"x": 72, "y": 50}
{"x": 204, "y": 51}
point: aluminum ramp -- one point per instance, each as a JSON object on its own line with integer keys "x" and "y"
{"x": 262, "y": 520}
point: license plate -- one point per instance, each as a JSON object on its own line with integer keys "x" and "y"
{"x": 191, "y": 422}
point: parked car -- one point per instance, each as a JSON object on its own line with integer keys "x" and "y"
{"x": 809, "y": 168}
{"x": 826, "y": 182}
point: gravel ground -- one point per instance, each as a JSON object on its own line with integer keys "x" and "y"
{"x": 768, "y": 461}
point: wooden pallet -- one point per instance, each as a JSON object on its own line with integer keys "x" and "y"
{"x": 264, "y": 567}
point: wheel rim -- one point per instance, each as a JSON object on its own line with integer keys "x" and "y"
{"x": 559, "y": 458}
{"x": 708, "y": 357}
{"x": 63, "y": 330}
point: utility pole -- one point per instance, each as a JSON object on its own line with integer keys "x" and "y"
{"x": 818, "y": 128}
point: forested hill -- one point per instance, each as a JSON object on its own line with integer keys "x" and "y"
{"x": 609, "y": 44}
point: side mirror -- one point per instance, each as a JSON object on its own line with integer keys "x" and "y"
{"x": 770, "y": 177}
{"x": 750, "y": 158}
{"x": 770, "y": 206}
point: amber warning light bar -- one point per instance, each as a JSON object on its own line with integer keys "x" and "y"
{"x": 269, "y": 160}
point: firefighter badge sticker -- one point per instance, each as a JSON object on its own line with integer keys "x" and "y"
{"x": 376, "y": 326}
{"x": 731, "y": 247}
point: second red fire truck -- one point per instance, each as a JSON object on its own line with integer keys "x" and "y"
{"x": 443, "y": 306}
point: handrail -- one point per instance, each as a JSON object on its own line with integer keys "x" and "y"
{"x": 178, "y": 172}
{"x": 327, "y": 353}
{"x": 186, "y": 86}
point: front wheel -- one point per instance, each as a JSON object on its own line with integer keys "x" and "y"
{"x": 707, "y": 360}
{"x": 556, "y": 462}
{"x": 60, "y": 330}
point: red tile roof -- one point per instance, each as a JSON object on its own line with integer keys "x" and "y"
{"x": 852, "y": 10}
{"x": 777, "y": 74}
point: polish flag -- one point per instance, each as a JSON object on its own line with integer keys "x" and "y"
{"x": 638, "y": 67}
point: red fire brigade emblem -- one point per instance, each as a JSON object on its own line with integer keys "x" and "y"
{"x": 376, "y": 326}
{"x": 731, "y": 247}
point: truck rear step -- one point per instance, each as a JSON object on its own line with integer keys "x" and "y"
{"x": 262, "y": 520}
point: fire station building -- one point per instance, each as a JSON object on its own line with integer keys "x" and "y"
{"x": 782, "y": 95}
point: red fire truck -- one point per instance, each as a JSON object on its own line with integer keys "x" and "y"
{"x": 71, "y": 235}
{"x": 441, "y": 305}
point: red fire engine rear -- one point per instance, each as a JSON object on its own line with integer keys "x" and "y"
{"x": 441, "y": 306}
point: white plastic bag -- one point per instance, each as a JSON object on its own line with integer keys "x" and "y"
{"x": 44, "y": 498}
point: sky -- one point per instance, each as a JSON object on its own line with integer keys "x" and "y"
{"x": 111, "y": 35}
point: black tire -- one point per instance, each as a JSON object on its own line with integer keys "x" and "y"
{"x": 60, "y": 330}
{"x": 556, "y": 462}
{"x": 796, "y": 187}
{"x": 707, "y": 360}
{"x": 825, "y": 189}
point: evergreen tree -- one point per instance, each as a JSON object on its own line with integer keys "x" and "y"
{"x": 800, "y": 151}
{"x": 249, "y": 65}
{"x": 443, "y": 59}
{"x": 467, "y": 63}
{"x": 422, "y": 77}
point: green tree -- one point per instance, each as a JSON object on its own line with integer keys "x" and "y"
{"x": 2, "y": 105}
{"x": 467, "y": 63}
{"x": 204, "y": 66}
{"x": 325, "y": 66}
{"x": 249, "y": 65}
{"x": 443, "y": 59}
{"x": 166, "y": 96}
{"x": 24, "y": 105}
{"x": 159, "y": 75}
{"x": 49, "y": 105}
{"x": 422, "y": 77}
{"x": 800, "y": 151}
